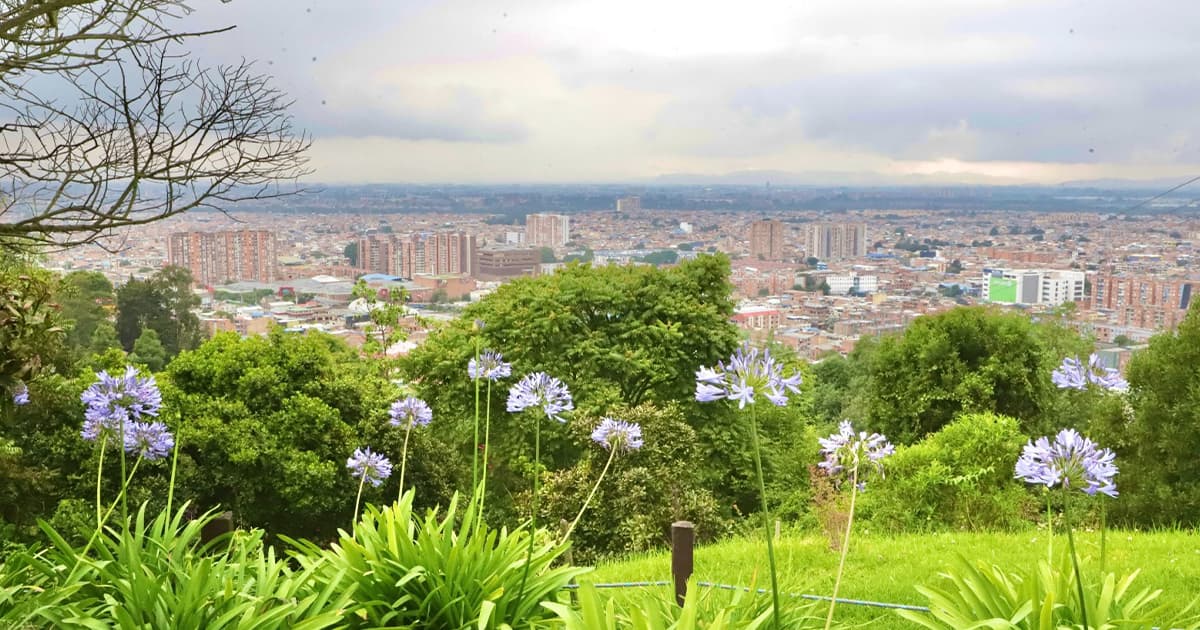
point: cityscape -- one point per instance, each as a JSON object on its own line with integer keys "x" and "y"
{"x": 814, "y": 280}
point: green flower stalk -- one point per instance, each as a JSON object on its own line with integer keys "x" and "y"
{"x": 370, "y": 468}
{"x": 750, "y": 373}
{"x": 616, "y": 436}
{"x": 847, "y": 452}
{"x": 408, "y": 413}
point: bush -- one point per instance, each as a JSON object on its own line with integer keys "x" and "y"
{"x": 960, "y": 478}
{"x": 644, "y": 492}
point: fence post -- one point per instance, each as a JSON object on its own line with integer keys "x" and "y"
{"x": 683, "y": 542}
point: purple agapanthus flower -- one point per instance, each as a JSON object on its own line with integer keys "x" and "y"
{"x": 371, "y": 467}
{"x": 748, "y": 373}
{"x": 149, "y": 440}
{"x": 490, "y": 366}
{"x": 114, "y": 401}
{"x": 846, "y": 449}
{"x": 410, "y": 412}
{"x": 1070, "y": 461}
{"x": 1073, "y": 374}
{"x": 540, "y": 390}
{"x": 21, "y": 395}
{"x": 618, "y": 434}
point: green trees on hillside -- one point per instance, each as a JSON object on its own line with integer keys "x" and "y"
{"x": 163, "y": 302}
{"x": 964, "y": 360}
{"x": 1158, "y": 437}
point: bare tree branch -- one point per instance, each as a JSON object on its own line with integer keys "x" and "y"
{"x": 145, "y": 132}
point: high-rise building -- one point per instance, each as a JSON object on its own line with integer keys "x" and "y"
{"x": 1143, "y": 301}
{"x": 547, "y": 230}
{"x": 835, "y": 241}
{"x": 629, "y": 204}
{"x": 766, "y": 239}
{"x": 219, "y": 257}
{"x": 434, "y": 254}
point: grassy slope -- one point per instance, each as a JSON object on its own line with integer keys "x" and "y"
{"x": 886, "y": 568}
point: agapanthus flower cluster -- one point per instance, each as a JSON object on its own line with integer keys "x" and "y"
{"x": 490, "y": 366}
{"x": 1070, "y": 461}
{"x": 410, "y": 412}
{"x": 748, "y": 372}
{"x": 149, "y": 440}
{"x": 116, "y": 401}
{"x": 618, "y": 434}
{"x": 369, "y": 466}
{"x": 20, "y": 395}
{"x": 1073, "y": 374}
{"x": 540, "y": 390}
{"x": 846, "y": 449}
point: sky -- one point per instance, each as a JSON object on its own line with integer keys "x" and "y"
{"x": 573, "y": 91}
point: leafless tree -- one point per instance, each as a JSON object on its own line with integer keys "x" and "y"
{"x": 136, "y": 130}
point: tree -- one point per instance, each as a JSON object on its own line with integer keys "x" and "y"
{"x": 85, "y": 300}
{"x": 104, "y": 338}
{"x": 351, "y": 253}
{"x": 812, "y": 261}
{"x": 1122, "y": 341}
{"x": 31, "y": 332}
{"x": 955, "y": 266}
{"x": 149, "y": 351}
{"x": 966, "y": 359}
{"x": 163, "y": 302}
{"x": 995, "y": 231}
{"x": 548, "y": 255}
{"x": 135, "y": 130}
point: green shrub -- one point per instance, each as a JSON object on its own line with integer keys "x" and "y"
{"x": 960, "y": 477}
{"x": 438, "y": 571}
{"x": 645, "y": 491}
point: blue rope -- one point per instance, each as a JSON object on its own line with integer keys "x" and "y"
{"x": 852, "y": 602}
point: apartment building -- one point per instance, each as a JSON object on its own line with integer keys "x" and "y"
{"x": 220, "y": 257}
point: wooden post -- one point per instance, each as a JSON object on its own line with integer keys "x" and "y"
{"x": 683, "y": 542}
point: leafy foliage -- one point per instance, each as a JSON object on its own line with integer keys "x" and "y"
{"x": 1040, "y": 598}
{"x": 1156, "y": 439}
{"x": 156, "y": 573}
{"x": 268, "y": 422}
{"x": 703, "y": 608}
{"x": 440, "y": 571}
{"x": 964, "y": 360}
{"x": 645, "y": 492}
{"x": 164, "y": 303}
{"x": 960, "y": 477}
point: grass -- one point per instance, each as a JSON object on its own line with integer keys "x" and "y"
{"x": 886, "y": 568}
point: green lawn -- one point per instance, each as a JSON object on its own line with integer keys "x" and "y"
{"x": 886, "y": 568}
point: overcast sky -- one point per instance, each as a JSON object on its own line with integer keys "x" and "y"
{"x": 623, "y": 90}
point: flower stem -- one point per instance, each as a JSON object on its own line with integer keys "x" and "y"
{"x": 837, "y": 583}
{"x": 537, "y": 463}
{"x": 487, "y": 435}
{"x": 124, "y": 502}
{"x": 99, "y": 471}
{"x": 361, "y": 483}
{"x": 475, "y": 443}
{"x": 1075, "y": 564}
{"x": 1050, "y": 529}
{"x": 1103, "y": 530}
{"x": 403, "y": 459}
{"x": 174, "y": 464}
{"x": 762, "y": 491}
{"x": 612, "y": 454}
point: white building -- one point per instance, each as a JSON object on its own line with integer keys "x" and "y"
{"x": 842, "y": 285}
{"x": 1050, "y": 287}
